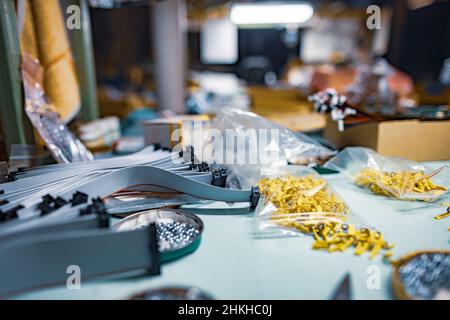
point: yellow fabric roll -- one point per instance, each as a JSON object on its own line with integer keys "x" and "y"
{"x": 50, "y": 29}
{"x": 59, "y": 78}
{"x": 28, "y": 39}
{"x": 54, "y": 53}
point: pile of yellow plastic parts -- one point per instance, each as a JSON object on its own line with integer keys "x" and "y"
{"x": 300, "y": 194}
{"x": 308, "y": 205}
{"x": 397, "y": 184}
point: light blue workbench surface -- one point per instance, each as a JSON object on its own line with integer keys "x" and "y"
{"x": 232, "y": 264}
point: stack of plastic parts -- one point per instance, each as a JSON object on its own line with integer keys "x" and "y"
{"x": 305, "y": 203}
{"x": 54, "y": 251}
{"x": 147, "y": 170}
{"x": 100, "y": 133}
{"x": 392, "y": 177}
{"x": 50, "y": 210}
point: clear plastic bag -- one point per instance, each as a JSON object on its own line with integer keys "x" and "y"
{"x": 270, "y": 145}
{"x": 63, "y": 145}
{"x": 393, "y": 177}
{"x": 295, "y": 198}
{"x": 299, "y": 202}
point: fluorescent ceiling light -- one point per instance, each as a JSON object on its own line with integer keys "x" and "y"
{"x": 271, "y": 13}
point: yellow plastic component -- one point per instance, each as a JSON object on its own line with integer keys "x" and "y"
{"x": 307, "y": 205}
{"x": 396, "y": 184}
{"x": 442, "y": 216}
{"x": 300, "y": 194}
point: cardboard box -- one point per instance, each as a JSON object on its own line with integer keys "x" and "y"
{"x": 159, "y": 131}
{"x": 411, "y": 139}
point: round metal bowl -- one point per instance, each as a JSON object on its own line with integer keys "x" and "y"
{"x": 173, "y": 293}
{"x": 144, "y": 218}
{"x": 399, "y": 289}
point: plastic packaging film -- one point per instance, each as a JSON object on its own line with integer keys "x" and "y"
{"x": 392, "y": 177}
{"x": 274, "y": 146}
{"x": 63, "y": 145}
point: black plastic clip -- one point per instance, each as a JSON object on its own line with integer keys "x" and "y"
{"x": 191, "y": 148}
{"x": 48, "y": 198}
{"x": 50, "y": 204}
{"x": 203, "y": 167}
{"x": 79, "y": 198}
{"x": 254, "y": 197}
{"x": 97, "y": 207}
{"x": 45, "y": 208}
{"x": 155, "y": 266}
{"x": 216, "y": 178}
{"x": 223, "y": 177}
{"x": 59, "y": 202}
{"x": 10, "y": 177}
{"x": 103, "y": 220}
{"x": 46, "y": 205}
{"x": 86, "y": 211}
{"x": 10, "y": 214}
{"x": 219, "y": 177}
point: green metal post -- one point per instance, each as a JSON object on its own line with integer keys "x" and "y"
{"x": 15, "y": 125}
{"x": 82, "y": 48}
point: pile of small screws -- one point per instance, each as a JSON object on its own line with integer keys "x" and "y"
{"x": 175, "y": 235}
{"x": 424, "y": 275}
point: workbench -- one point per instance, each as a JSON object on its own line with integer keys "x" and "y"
{"x": 233, "y": 263}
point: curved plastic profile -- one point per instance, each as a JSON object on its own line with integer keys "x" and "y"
{"x": 128, "y": 177}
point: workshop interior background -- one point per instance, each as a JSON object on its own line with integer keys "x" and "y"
{"x": 357, "y": 88}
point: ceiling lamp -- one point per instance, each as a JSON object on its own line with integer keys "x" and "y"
{"x": 270, "y": 13}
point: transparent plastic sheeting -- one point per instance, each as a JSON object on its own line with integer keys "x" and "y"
{"x": 61, "y": 142}
{"x": 271, "y": 223}
{"x": 272, "y": 145}
{"x": 369, "y": 169}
